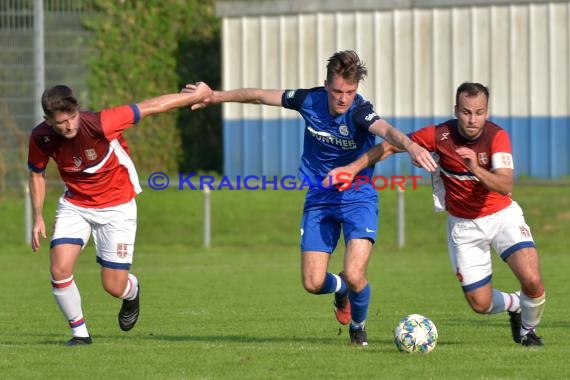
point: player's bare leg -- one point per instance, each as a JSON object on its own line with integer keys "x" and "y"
{"x": 122, "y": 284}
{"x": 317, "y": 280}
{"x": 314, "y": 266}
{"x": 355, "y": 263}
{"x": 114, "y": 281}
{"x": 488, "y": 300}
{"x": 525, "y": 265}
{"x": 480, "y": 299}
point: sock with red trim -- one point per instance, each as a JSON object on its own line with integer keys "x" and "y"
{"x": 68, "y": 299}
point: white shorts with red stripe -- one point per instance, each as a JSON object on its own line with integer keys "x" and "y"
{"x": 113, "y": 229}
{"x": 470, "y": 242}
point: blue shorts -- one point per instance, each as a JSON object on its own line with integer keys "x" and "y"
{"x": 321, "y": 225}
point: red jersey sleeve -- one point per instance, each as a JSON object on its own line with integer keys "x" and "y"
{"x": 425, "y": 137}
{"x": 501, "y": 142}
{"x": 37, "y": 158}
{"x": 115, "y": 120}
{"x": 501, "y": 151}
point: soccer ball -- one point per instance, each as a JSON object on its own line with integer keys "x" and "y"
{"x": 415, "y": 333}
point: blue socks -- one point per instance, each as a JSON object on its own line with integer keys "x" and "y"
{"x": 333, "y": 284}
{"x": 359, "y": 306}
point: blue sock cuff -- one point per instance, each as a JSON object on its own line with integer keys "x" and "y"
{"x": 343, "y": 287}
{"x": 329, "y": 286}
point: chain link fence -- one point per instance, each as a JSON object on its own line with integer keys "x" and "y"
{"x": 64, "y": 43}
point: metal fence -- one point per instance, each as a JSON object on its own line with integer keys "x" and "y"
{"x": 42, "y": 43}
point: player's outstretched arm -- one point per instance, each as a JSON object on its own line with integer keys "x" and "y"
{"x": 167, "y": 102}
{"x": 241, "y": 95}
{"x": 420, "y": 156}
{"x": 375, "y": 154}
{"x": 37, "y": 185}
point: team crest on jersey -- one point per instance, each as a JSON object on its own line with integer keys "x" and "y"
{"x": 122, "y": 250}
{"x": 91, "y": 154}
{"x": 524, "y": 231}
{"x": 77, "y": 161}
{"x": 483, "y": 159}
{"x": 343, "y": 130}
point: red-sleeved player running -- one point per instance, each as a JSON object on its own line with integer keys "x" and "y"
{"x": 101, "y": 184}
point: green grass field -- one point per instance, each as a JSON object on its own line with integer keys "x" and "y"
{"x": 238, "y": 310}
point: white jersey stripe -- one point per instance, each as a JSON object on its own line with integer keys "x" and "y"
{"x": 124, "y": 159}
{"x": 460, "y": 177}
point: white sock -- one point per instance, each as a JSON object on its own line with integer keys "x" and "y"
{"x": 131, "y": 289}
{"x": 504, "y": 302}
{"x": 68, "y": 299}
{"x": 338, "y": 282}
{"x": 531, "y": 312}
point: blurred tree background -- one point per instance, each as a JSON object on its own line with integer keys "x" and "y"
{"x": 142, "y": 49}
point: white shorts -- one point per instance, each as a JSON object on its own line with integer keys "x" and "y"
{"x": 114, "y": 229}
{"x": 470, "y": 242}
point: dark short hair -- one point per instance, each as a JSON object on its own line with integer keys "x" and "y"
{"x": 59, "y": 98}
{"x": 347, "y": 64}
{"x": 471, "y": 89}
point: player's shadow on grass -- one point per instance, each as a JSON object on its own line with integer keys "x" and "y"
{"x": 344, "y": 340}
{"x": 238, "y": 339}
{"x": 383, "y": 344}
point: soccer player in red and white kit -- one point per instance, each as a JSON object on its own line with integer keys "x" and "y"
{"x": 101, "y": 184}
{"x": 474, "y": 185}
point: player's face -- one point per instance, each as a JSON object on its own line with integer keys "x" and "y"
{"x": 472, "y": 113}
{"x": 64, "y": 124}
{"x": 341, "y": 94}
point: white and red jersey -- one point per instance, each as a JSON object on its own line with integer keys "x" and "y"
{"x": 465, "y": 196}
{"x": 94, "y": 165}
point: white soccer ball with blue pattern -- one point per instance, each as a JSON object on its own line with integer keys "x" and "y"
{"x": 415, "y": 333}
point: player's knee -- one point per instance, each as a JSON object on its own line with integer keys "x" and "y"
{"x": 354, "y": 280}
{"x": 59, "y": 274}
{"x": 479, "y": 306}
{"x": 116, "y": 290}
{"x": 480, "y": 309}
{"x": 532, "y": 287}
{"x": 312, "y": 286}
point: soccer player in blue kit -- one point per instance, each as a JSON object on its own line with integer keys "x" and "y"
{"x": 340, "y": 125}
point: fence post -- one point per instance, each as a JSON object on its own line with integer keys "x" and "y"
{"x": 207, "y": 217}
{"x": 27, "y": 213}
{"x": 401, "y": 218}
{"x": 39, "y": 59}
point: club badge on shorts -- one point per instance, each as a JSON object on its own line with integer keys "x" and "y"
{"x": 122, "y": 250}
{"x": 524, "y": 231}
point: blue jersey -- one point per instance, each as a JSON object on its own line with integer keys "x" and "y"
{"x": 332, "y": 141}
